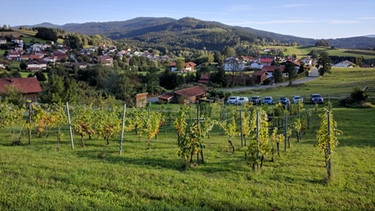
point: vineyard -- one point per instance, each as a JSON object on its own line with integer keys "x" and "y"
{"x": 209, "y": 156}
{"x": 261, "y": 129}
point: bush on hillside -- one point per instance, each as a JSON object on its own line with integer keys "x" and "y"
{"x": 356, "y": 99}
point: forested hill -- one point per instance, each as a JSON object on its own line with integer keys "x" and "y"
{"x": 194, "y": 33}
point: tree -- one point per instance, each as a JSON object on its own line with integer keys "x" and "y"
{"x": 322, "y": 43}
{"x": 278, "y": 76}
{"x": 40, "y": 76}
{"x": 324, "y": 63}
{"x": 290, "y": 68}
{"x": 228, "y": 52}
{"x": 180, "y": 64}
{"x": 47, "y": 33}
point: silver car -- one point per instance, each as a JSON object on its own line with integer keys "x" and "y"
{"x": 268, "y": 100}
{"x": 233, "y": 100}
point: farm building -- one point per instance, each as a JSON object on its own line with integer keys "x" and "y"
{"x": 187, "y": 95}
{"x": 29, "y": 87}
{"x": 345, "y": 63}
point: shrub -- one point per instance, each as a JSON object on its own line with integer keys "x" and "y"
{"x": 356, "y": 99}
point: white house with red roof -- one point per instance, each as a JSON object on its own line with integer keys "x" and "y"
{"x": 266, "y": 61}
{"x": 234, "y": 64}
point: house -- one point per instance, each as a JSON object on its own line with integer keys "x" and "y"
{"x": 256, "y": 65}
{"x": 106, "y": 60}
{"x": 345, "y": 63}
{"x": 271, "y": 69}
{"x": 307, "y": 61}
{"x": 173, "y": 66}
{"x": 14, "y": 55}
{"x": 249, "y": 59}
{"x": 190, "y": 67}
{"x": 187, "y": 95}
{"x": 190, "y": 95}
{"x": 29, "y": 87}
{"x": 3, "y": 41}
{"x": 166, "y": 98}
{"x": 51, "y": 59}
{"x": 141, "y": 100}
{"x": 36, "y": 66}
{"x": 260, "y": 76}
{"x": 266, "y": 61}
{"x": 233, "y": 64}
{"x": 204, "y": 79}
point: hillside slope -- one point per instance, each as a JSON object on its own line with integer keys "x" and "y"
{"x": 195, "y": 33}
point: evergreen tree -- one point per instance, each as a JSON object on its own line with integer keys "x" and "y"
{"x": 324, "y": 63}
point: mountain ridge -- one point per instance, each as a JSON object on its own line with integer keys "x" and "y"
{"x": 153, "y": 30}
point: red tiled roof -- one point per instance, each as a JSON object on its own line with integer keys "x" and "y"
{"x": 24, "y": 85}
{"x": 259, "y": 73}
{"x": 166, "y": 96}
{"x": 266, "y": 60}
{"x": 204, "y": 78}
{"x": 192, "y": 91}
{"x": 273, "y": 68}
{"x": 296, "y": 63}
{"x": 190, "y": 64}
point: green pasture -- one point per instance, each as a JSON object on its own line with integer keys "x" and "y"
{"x": 337, "y": 85}
{"x": 45, "y": 176}
{"x": 302, "y": 51}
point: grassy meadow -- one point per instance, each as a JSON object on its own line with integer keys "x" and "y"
{"x": 41, "y": 177}
{"x": 337, "y": 85}
{"x": 302, "y": 51}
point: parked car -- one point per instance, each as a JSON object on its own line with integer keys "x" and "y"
{"x": 285, "y": 101}
{"x": 233, "y": 100}
{"x": 255, "y": 100}
{"x": 268, "y": 100}
{"x": 297, "y": 98}
{"x": 242, "y": 100}
{"x": 316, "y": 98}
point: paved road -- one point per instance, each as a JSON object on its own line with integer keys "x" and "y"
{"x": 314, "y": 74}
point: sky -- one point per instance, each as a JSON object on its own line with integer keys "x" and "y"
{"x": 319, "y": 19}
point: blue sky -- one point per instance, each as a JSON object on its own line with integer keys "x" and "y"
{"x": 312, "y": 19}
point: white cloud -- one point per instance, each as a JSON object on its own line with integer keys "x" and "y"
{"x": 291, "y": 21}
{"x": 342, "y": 21}
{"x": 295, "y": 5}
{"x": 367, "y": 18}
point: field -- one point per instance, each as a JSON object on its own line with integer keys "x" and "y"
{"x": 337, "y": 85}
{"x": 302, "y": 51}
{"x": 40, "y": 177}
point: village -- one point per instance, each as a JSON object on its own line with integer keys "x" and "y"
{"x": 240, "y": 69}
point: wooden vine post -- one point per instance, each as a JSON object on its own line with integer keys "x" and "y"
{"x": 122, "y": 128}
{"x": 70, "y": 125}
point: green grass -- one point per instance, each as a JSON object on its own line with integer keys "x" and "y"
{"x": 39, "y": 177}
{"x": 302, "y": 51}
{"x": 338, "y": 84}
